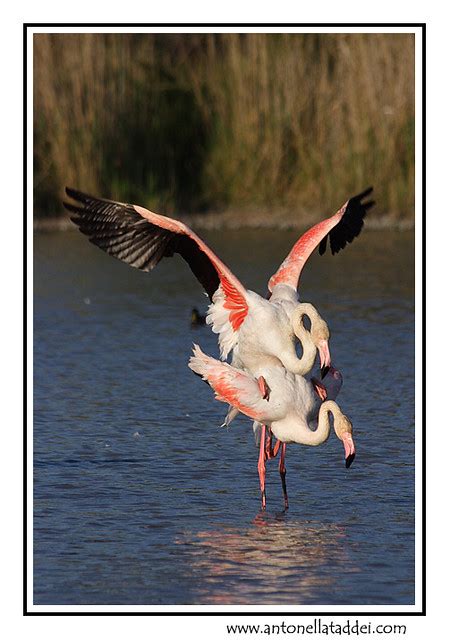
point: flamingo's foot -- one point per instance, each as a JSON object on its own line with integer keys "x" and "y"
{"x": 264, "y": 388}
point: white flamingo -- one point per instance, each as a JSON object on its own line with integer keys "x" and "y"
{"x": 292, "y": 411}
{"x": 251, "y": 357}
{"x": 244, "y": 320}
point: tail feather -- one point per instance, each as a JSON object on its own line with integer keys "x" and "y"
{"x": 200, "y": 363}
{"x": 231, "y": 415}
{"x": 230, "y": 385}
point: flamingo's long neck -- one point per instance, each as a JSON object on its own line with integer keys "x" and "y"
{"x": 303, "y": 365}
{"x": 322, "y": 432}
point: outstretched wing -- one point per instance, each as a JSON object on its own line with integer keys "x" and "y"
{"x": 142, "y": 238}
{"x": 342, "y": 228}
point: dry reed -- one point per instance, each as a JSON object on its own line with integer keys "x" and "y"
{"x": 243, "y": 121}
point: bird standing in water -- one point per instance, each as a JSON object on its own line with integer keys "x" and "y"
{"x": 261, "y": 332}
{"x": 292, "y": 411}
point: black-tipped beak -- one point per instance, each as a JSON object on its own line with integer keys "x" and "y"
{"x": 325, "y": 358}
{"x": 349, "y": 460}
{"x": 349, "y": 448}
{"x": 323, "y": 371}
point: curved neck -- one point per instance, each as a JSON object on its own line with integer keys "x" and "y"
{"x": 303, "y": 365}
{"x": 322, "y": 432}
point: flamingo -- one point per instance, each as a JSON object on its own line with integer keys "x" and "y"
{"x": 246, "y": 322}
{"x": 327, "y": 389}
{"x": 291, "y": 412}
{"x": 319, "y": 335}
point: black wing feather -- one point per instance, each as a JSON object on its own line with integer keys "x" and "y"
{"x": 350, "y": 225}
{"x": 120, "y": 231}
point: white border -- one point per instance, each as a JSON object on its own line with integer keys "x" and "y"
{"x": 367, "y": 609}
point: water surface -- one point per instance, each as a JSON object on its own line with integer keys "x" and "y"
{"x": 139, "y": 497}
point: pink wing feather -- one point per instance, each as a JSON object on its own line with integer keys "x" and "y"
{"x": 142, "y": 238}
{"x": 230, "y": 385}
{"x": 233, "y": 290}
{"x": 341, "y": 229}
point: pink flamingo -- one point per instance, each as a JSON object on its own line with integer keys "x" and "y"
{"x": 259, "y": 330}
{"x": 292, "y": 411}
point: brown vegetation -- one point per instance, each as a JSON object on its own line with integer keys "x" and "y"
{"x": 250, "y": 122}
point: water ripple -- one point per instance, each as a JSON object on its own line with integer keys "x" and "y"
{"x": 139, "y": 497}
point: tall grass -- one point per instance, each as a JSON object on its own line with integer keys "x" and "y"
{"x": 211, "y": 121}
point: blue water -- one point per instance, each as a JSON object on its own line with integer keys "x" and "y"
{"x": 139, "y": 497}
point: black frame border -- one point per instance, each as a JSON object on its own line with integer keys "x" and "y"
{"x": 26, "y": 133}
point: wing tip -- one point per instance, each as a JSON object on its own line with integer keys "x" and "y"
{"x": 323, "y": 245}
{"x": 73, "y": 193}
{"x": 352, "y": 221}
{"x": 364, "y": 193}
{"x": 71, "y": 207}
{"x": 78, "y": 196}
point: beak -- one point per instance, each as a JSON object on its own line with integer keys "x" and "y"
{"x": 349, "y": 449}
{"x": 319, "y": 389}
{"x": 325, "y": 359}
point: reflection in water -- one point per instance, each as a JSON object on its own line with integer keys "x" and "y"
{"x": 274, "y": 560}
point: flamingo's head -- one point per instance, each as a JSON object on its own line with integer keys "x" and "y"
{"x": 344, "y": 431}
{"x": 333, "y": 382}
{"x": 329, "y": 387}
{"x": 318, "y": 334}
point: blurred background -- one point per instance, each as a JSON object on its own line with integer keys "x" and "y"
{"x": 275, "y": 127}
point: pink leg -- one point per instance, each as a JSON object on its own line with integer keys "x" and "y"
{"x": 282, "y": 469}
{"x": 262, "y": 466}
{"x": 275, "y": 449}
{"x": 271, "y": 452}
{"x": 264, "y": 388}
